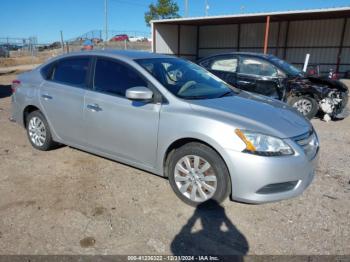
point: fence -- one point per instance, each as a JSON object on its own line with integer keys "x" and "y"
{"x": 118, "y": 45}
{"x": 101, "y": 34}
{"x": 22, "y": 46}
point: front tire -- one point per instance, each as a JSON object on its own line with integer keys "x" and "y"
{"x": 305, "y": 105}
{"x": 38, "y": 131}
{"x": 198, "y": 174}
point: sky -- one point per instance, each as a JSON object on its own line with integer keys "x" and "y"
{"x": 46, "y": 18}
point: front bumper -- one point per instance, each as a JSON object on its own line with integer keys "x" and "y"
{"x": 343, "y": 111}
{"x": 257, "y": 179}
{"x": 14, "y": 110}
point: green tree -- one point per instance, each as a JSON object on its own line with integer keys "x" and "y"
{"x": 161, "y": 10}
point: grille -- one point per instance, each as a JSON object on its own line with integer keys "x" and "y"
{"x": 309, "y": 143}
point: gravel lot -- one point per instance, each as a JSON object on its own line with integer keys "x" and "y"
{"x": 70, "y": 202}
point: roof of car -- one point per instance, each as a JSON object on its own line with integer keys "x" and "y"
{"x": 252, "y": 53}
{"x": 128, "y": 54}
{"x": 266, "y": 56}
{"x": 244, "y": 53}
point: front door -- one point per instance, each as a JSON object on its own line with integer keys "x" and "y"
{"x": 118, "y": 126}
{"x": 259, "y": 76}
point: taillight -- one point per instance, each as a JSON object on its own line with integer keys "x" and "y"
{"x": 15, "y": 84}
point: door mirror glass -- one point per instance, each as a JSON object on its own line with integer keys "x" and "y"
{"x": 139, "y": 93}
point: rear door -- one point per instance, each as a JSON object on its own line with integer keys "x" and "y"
{"x": 258, "y": 75}
{"x": 116, "y": 125}
{"x": 224, "y": 67}
{"x": 62, "y": 98}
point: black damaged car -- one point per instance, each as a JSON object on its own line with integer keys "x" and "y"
{"x": 273, "y": 77}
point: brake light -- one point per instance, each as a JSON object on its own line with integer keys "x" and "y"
{"x": 15, "y": 84}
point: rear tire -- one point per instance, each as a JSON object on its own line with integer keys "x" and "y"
{"x": 198, "y": 174}
{"x": 38, "y": 131}
{"x": 306, "y": 105}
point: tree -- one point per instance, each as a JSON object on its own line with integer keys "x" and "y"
{"x": 162, "y": 10}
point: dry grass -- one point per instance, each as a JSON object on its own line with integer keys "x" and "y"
{"x": 25, "y": 58}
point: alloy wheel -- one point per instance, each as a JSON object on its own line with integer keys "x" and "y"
{"x": 304, "y": 106}
{"x": 37, "y": 131}
{"x": 195, "y": 178}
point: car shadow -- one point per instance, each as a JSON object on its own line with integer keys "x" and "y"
{"x": 218, "y": 235}
{"x": 5, "y": 91}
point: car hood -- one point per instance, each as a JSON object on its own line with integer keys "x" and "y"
{"x": 256, "y": 113}
{"x": 321, "y": 82}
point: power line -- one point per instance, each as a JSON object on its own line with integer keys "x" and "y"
{"x": 206, "y": 7}
{"x": 186, "y": 8}
{"x": 129, "y": 3}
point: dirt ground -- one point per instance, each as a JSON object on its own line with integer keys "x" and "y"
{"x": 70, "y": 202}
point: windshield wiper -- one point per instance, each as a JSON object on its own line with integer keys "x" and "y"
{"x": 228, "y": 93}
{"x": 194, "y": 97}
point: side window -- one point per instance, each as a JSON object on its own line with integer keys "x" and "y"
{"x": 46, "y": 71}
{"x": 225, "y": 64}
{"x": 72, "y": 71}
{"x": 256, "y": 66}
{"x": 115, "y": 78}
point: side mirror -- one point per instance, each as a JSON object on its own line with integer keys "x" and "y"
{"x": 139, "y": 93}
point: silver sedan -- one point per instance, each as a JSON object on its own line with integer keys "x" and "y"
{"x": 172, "y": 118}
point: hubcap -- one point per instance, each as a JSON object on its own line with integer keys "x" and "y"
{"x": 304, "y": 106}
{"x": 37, "y": 131}
{"x": 195, "y": 178}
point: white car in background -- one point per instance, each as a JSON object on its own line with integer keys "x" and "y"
{"x": 137, "y": 39}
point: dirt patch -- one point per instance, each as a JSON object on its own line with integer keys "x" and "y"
{"x": 87, "y": 242}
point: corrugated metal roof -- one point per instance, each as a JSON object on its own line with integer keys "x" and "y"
{"x": 312, "y": 13}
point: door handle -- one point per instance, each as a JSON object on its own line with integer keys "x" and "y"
{"x": 94, "y": 107}
{"x": 46, "y": 96}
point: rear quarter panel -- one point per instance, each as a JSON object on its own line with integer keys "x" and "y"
{"x": 27, "y": 94}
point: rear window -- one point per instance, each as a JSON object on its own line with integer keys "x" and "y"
{"x": 72, "y": 71}
{"x": 225, "y": 64}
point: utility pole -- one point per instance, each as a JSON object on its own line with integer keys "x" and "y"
{"x": 206, "y": 7}
{"x": 62, "y": 42}
{"x": 106, "y": 20}
{"x": 186, "y": 8}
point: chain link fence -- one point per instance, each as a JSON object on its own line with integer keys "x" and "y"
{"x": 29, "y": 51}
{"x": 20, "y": 46}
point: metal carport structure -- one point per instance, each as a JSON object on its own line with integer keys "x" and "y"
{"x": 323, "y": 33}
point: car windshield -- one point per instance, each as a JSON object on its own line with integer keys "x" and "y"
{"x": 288, "y": 68}
{"x": 185, "y": 79}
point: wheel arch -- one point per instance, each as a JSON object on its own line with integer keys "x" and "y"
{"x": 26, "y": 111}
{"x": 305, "y": 92}
{"x": 33, "y": 107}
{"x": 185, "y": 140}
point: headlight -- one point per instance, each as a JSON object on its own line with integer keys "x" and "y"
{"x": 263, "y": 145}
